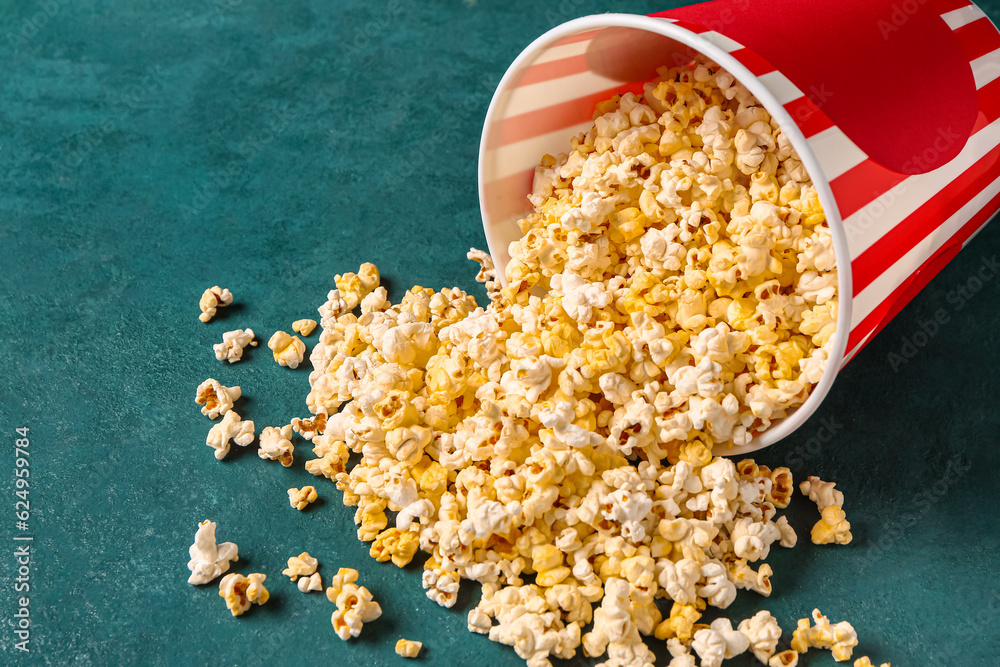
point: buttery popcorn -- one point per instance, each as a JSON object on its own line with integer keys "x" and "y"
{"x": 355, "y": 605}
{"x": 840, "y": 638}
{"x": 302, "y": 498}
{"x": 232, "y": 345}
{"x": 864, "y": 661}
{"x": 231, "y": 428}
{"x": 311, "y": 583}
{"x": 833, "y": 526}
{"x": 408, "y": 648}
{"x": 302, "y": 565}
{"x": 276, "y": 444}
{"x": 215, "y": 398}
{"x": 208, "y": 559}
{"x": 288, "y": 350}
{"x": 212, "y": 299}
{"x": 304, "y": 327}
{"x": 239, "y": 591}
{"x": 673, "y": 293}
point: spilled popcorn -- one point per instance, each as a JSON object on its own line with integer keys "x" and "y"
{"x": 239, "y": 591}
{"x": 209, "y": 559}
{"x": 211, "y": 300}
{"x": 215, "y": 398}
{"x": 673, "y": 294}
{"x": 408, "y": 648}
{"x": 232, "y": 345}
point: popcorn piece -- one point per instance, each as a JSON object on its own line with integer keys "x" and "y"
{"x": 239, "y": 591}
{"x": 355, "y": 605}
{"x": 717, "y": 642}
{"x": 303, "y": 327}
{"x": 396, "y": 545}
{"x": 408, "y": 648}
{"x": 209, "y": 560}
{"x": 213, "y": 298}
{"x": 232, "y": 345}
{"x": 215, "y": 398}
{"x": 840, "y": 638}
{"x": 864, "y": 661}
{"x": 288, "y": 350}
{"x": 311, "y": 583}
{"x": 784, "y": 659}
{"x": 310, "y": 428}
{"x": 763, "y": 632}
{"x": 301, "y": 498}
{"x": 276, "y": 444}
{"x": 832, "y": 528}
{"x": 302, "y": 565}
{"x": 822, "y": 493}
{"x": 230, "y": 428}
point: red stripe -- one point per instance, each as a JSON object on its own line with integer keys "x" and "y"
{"x": 508, "y": 196}
{"x": 978, "y": 38}
{"x": 898, "y": 241}
{"x": 752, "y": 61}
{"x": 556, "y": 117}
{"x": 808, "y": 116}
{"x": 859, "y": 186}
{"x": 989, "y": 104}
{"x": 903, "y": 294}
{"x": 554, "y": 69}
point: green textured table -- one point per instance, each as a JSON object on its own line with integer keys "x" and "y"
{"x": 149, "y": 150}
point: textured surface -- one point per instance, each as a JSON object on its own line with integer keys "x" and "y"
{"x": 150, "y": 150}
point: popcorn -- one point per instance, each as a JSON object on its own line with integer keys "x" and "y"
{"x": 213, "y": 298}
{"x": 215, "y": 398}
{"x": 232, "y": 345}
{"x": 230, "y": 428}
{"x": 832, "y": 528}
{"x": 301, "y": 498}
{"x": 865, "y": 662}
{"x": 784, "y": 659}
{"x": 239, "y": 591}
{"x": 303, "y": 327}
{"x": 276, "y": 444}
{"x": 355, "y": 605}
{"x": 302, "y": 565}
{"x": 654, "y": 313}
{"x": 763, "y": 633}
{"x": 407, "y": 648}
{"x": 288, "y": 350}
{"x": 840, "y": 638}
{"x": 822, "y": 493}
{"x": 208, "y": 559}
{"x": 311, "y": 583}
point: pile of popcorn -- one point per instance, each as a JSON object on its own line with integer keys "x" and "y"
{"x": 673, "y": 293}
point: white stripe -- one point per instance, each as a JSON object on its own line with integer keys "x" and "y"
{"x": 875, "y": 293}
{"x": 964, "y": 16}
{"x": 986, "y": 68}
{"x": 836, "y": 153}
{"x": 781, "y": 87}
{"x": 721, "y": 41}
{"x": 545, "y": 94}
{"x": 564, "y": 51}
{"x": 519, "y": 156}
{"x": 875, "y": 219}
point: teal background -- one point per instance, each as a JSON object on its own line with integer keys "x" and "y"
{"x": 151, "y": 150}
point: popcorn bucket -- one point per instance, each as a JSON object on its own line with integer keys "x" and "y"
{"x": 892, "y": 105}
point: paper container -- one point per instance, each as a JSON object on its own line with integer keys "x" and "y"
{"x": 893, "y": 107}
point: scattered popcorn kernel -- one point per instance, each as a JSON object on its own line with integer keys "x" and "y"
{"x": 276, "y": 444}
{"x": 208, "y": 559}
{"x": 310, "y": 428}
{"x": 232, "y": 345}
{"x": 764, "y": 633}
{"x": 311, "y": 583}
{"x": 784, "y": 659}
{"x": 840, "y": 638}
{"x": 355, "y": 605}
{"x": 239, "y": 591}
{"x": 822, "y": 493}
{"x": 863, "y": 661}
{"x": 288, "y": 350}
{"x": 301, "y": 498}
{"x": 213, "y": 298}
{"x": 408, "y": 648}
{"x": 215, "y": 398}
{"x": 396, "y": 545}
{"x": 832, "y": 528}
{"x": 303, "y": 327}
{"x": 302, "y": 565}
{"x": 231, "y": 428}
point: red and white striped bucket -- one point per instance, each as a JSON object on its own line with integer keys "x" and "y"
{"x": 892, "y": 105}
